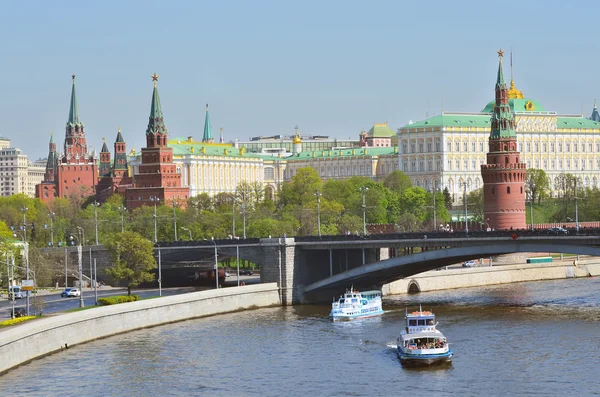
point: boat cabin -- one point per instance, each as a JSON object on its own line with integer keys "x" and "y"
{"x": 353, "y": 297}
{"x": 420, "y": 322}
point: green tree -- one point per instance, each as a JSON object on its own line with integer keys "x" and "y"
{"x": 397, "y": 182}
{"x": 537, "y": 184}
{"x": 133, "y": 259}
{"x": 447, "y": 198}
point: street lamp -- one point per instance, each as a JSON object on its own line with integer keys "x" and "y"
{"x": 464, "y": 186}
{"x": 434, "y": 191}
{"x": 363, "y": 190}
{"x": 188, "y": 230}
{"x": 318, "y": 195}
{"x": 175, "y": 218}
{"x": 26, "y": 247}
{"x": 79, "y": 253}
{"x": 233, "y": 216}
{"x": 155, "y": 200}
{"x": 26, "y": 250}
{"x": 50, "y": 215}
{"x": 576, "y": 217}
{"x": 96, "y": 204}
{"x": 244, "y": 214}
{"x": 531, "y": 212}
{"x": 122, "y": 209}
{"x": 216, "y": 264}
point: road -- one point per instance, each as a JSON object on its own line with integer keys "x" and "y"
{"x": 54, "y": 303}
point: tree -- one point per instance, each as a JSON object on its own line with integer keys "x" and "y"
{"x": 537, "y": 184}
{"x": 397, "y": 182}
{"x": 133, "y": 259}
{"x": 447, "y": 198}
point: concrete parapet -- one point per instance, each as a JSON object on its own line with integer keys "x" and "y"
{"x": 25, "y": 342}
{"x": 436, "y": 280}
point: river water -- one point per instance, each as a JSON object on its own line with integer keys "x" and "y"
{"x": 540, "y": 338}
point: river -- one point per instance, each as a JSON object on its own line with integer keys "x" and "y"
{"x": 538, "y": 338}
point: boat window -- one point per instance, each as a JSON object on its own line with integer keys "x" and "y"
{"x": 412, "y": 323}
{"x": 430, "y": 321}
{"x": 421, "y": 322}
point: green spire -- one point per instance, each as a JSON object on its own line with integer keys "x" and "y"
{"x": 74, "y": 108}
{"x": 155, "y": 123}
{"x": 500, "y": 79}
{"x": 207, "y": 130}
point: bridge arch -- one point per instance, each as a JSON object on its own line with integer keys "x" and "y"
{"x": 384, "y": 272}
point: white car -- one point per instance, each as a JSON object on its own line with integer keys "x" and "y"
{"x": 73, "y": 292}
{"x": 469, "y": 264}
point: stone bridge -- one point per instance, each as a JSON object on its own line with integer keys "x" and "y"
{"x": 312, "y": 269}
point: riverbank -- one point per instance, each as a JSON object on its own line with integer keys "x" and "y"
{"x": 46, "y": 335}
{"x": 467, "y": 277}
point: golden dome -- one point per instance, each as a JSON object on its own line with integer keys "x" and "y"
{"x": 296, "y": 139}
{"x": 513, "y": 93}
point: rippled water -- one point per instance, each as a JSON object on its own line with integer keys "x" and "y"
{"x": 519, "y": 339}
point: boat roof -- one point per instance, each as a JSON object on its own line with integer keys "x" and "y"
{"x": 419, "y": 335}
{"x": 371, "y": 292}
{"x": 420, "y": 314}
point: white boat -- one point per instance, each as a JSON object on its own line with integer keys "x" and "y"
{"x": 354, "y": 304}
{"x": 421, "y": 342}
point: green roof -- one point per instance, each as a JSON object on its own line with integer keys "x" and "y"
{"x": 517, "y": 105}
{"x": 454, "y": 120}
{"x": 381, "y": 131}
{"x": 73, "y": 108}
{"x": 576, "y": 122}
{"x": 370, "y": 151}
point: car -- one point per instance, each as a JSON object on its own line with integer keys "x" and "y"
{"x": 469, "y": 264}
{"x": 19, "y": 312}
{"x": 245, "y": 272}
{"x": 73, "y": 292}
{"x": 15, "y": 292}
{"x": 227, "y": 274}
{"x": 558, "y": 231}
{"x": 65, "y": 293}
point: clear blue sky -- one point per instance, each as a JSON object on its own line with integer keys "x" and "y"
{"x": 330, "y": 67}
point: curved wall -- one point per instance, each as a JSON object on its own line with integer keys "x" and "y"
{"x": 25, "y": 342}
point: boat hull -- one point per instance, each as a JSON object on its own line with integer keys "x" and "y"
{"x": 342, "y": 317}
{"x": 424, "y": 359}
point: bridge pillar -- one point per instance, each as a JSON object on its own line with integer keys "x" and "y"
{"x": 282, "y": 264}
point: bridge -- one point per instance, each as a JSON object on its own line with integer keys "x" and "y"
{"x": 308, "y": 268}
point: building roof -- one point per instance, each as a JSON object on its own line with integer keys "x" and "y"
{"x": 518, "y": 105}
{"x": 354, "y": 152}
{"x": 380, "y": 131}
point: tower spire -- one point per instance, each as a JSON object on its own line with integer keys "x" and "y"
{"x": 503, "y": 121}
{"x": 74, "y": 108}
{"x": 207, "y": 129}
{"x": 595, "y": 115}
{"x": 500, "y": 79}
{"x": 156, "y": 133}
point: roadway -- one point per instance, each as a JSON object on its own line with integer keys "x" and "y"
{"x": 54, "y": 303}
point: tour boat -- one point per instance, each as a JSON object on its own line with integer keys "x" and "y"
{"x": 421, "y": 342}
{"x": 353, "y": 304}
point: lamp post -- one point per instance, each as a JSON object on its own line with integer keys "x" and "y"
{"x": 576, "y": 217}
{"x": 464, "y": 186}
{"x": 216, "y": 264}
{"x": 26, "y": 247}
{"x": 50, "y": 215}
{"x": 531, "y": 212}
{"x": 79, "y": 264}
{"x": 233, "y": 216}
{"x": 96, "y": 204}
{"x": 122, "y": 209}
{"x": 244, "y": 214}
{"x": 155, "y": 200}
{"x": 434, "y": 190}
{"x": 318, "y": 195}
{"x": 363, "y": 190}
{"x": 188, "y": 230}
{"x": 175, "y": 218}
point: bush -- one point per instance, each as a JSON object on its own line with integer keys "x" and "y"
{"x": 114, "y": 300}
{"x": 16, "y": 320}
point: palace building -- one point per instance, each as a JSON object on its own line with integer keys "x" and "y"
{"x": 448, "y": 150}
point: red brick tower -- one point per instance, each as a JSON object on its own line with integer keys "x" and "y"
{"x": 503, "y": 175}
{"x": 157, "y": 177}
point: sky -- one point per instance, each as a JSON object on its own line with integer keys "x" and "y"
{"x": 330, "y": 67}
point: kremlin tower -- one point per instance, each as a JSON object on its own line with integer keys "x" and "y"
{"x": 503, "y": 175}
{"x": 157, "y": 180}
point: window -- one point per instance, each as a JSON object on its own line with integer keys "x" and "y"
{"x": 473, "y": 165}
{"x": 537, "y": 147}
{"x": 551, "y": 146}
{"x": 437, "y": 146}
{"x": 450, "y": 165}
{"x": 508, "y": 190}
{"x": 269, "y": 173}
{"x": 568, "y": 147}
{"x": 457, "y": 165}
{"x": 449, "y": 146}
{"x": 481, "y": 146}
{"x": 464, "y": 146}
{"x": 420, "y": 147}
{"x": 429, "y": 146}
{"x": 457, "y": 146}
{"x": 472, "y": 146}
{"x": 544, "y": 147}
{"x": 528, "y": 147}
{"x": 466, "y": 165}
{"x": 560, "y": 147}
{"x": 412, "y": 147}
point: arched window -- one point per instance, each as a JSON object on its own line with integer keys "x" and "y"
{"x": 508, "y": 190}
{"x": 506, "y": 160}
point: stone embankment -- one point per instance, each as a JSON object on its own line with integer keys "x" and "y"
{"x": 459, "y": 277}
{"x": 36, "y": 338}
